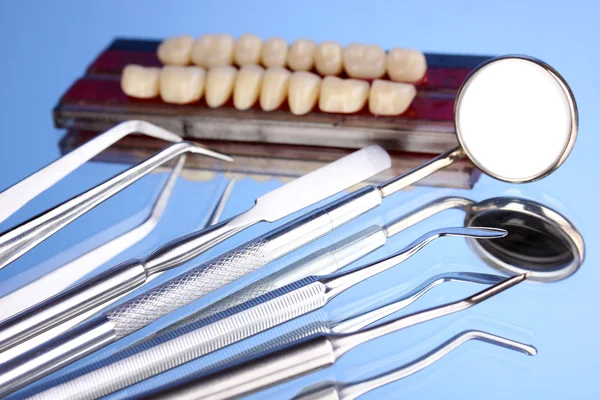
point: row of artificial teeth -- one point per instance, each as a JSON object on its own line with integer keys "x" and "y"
{"x": 269, "y": 87}
{"x": 361, "y": 61}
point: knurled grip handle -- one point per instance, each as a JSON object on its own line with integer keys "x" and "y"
{"x": 307, "y": 325}
{"x": 188, "y": 287}
{"x": 250, "y": 292}
{"x": 206, "y": 278}
{"x": 244, "y": 321}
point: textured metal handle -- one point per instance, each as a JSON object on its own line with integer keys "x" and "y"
{"x": 257, "y": 374}
{"x": 242, "y": 322}
{"x": 188, "y": 287}
{"x": 208, "y": 277}
{"x": 307, "y": 325}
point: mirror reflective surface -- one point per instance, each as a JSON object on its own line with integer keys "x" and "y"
{"x": 516, "y": 119}
{"x": 539, "y": 239}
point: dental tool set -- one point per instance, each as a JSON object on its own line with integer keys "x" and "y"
{"x": 250, "y": 318}
{"x": 500, "y": 114}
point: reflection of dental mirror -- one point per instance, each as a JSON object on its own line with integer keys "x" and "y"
{"x": 515, "y": 118}
{"x": 539, "y": 239}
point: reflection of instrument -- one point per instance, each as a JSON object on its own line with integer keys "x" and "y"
{"x": 310, "y": 355}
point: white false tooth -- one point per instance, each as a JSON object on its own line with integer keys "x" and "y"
{"x": 390, "y": 98}
{"x": 181, "y": 85}
{"x": 303, "y": 92}
{"x": 328, "y": 58}
{"x": 219, "y": 85}
{"x": 213, "y": 50}
{"x": 366, "y": 61}
{"x": 247, "y": 50}
{"x": 140, "y": 82}
{"x": 302, "y": 55}
{"x": 343, "y": 95}
{"x": 274, "y": 53}
{"x": 274, "y": 88}
{"x": 405, "y": 65}
{"x": 176, "y": 50}
{"x": 247, "y": 86}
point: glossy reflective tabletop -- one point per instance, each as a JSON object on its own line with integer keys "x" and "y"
{"x": 46, "y": 46}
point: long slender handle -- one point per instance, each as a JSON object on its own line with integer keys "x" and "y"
{"x": 16, "y": 196}
{"x": 260, "y": 373}
{"x": 197, "y": 340}
{"x": 70, "y": 303}
{"x": 23, "y": 238}
{"x": 188, "y": 247}
{"x": 206, "y": 278}
{"x": 300, "y": 328}
{"x": 182, "y": 290}
{"x": 59, "y": 352}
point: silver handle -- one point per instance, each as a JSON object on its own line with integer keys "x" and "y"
{"x": 185, "y": 248}
{"x": 204, "y": 338}
{"x": 194, "y": 284}
{"x": 57, "y": 353}
{"x": 263, "y": 372}
{"x": 23, "y": 238}
{"x": 206, "y": 278}
{"x": 72, "y": 302}
{"x": 307, "y": 325}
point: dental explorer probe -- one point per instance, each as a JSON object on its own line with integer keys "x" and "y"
{"x": 22, "y": 192}
{"x": 289, "y": 198}
{"x": 19, "y": 240}
{"x": 353, "y": 390}
{"x": 240, "y": 322}
{"x": 506, "y": 150}
{"x": 307, "y": 325}
{"x": 310, "y": 355}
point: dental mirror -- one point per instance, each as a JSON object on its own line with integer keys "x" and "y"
{"x": 539, "y": 239}
{"x": 515, "y": 119}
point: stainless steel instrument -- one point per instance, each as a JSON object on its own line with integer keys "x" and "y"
{"x": 71, "y": 386}
{"x": 543, "y": 242}
{"x": 503, "y": 111}
{"x": 71, "y": 272}
{"x": 240, "y": 322}
{"x": 131, "y": 274}
{"x": 66, "y": 275}
{"x": 540, "y": 240}
{"x": 21, "y": 193}
{"x": 310, "y": 355}
{"x": 316, "y": 186}
{"x": 19, "y": 240}
{"x": 353, "y": 390}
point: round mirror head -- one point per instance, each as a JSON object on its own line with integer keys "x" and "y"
{"x": 516, "y": 118}
{"x": 539, "y": 240}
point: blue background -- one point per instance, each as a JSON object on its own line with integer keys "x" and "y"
{"x": 46, "y": 45}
